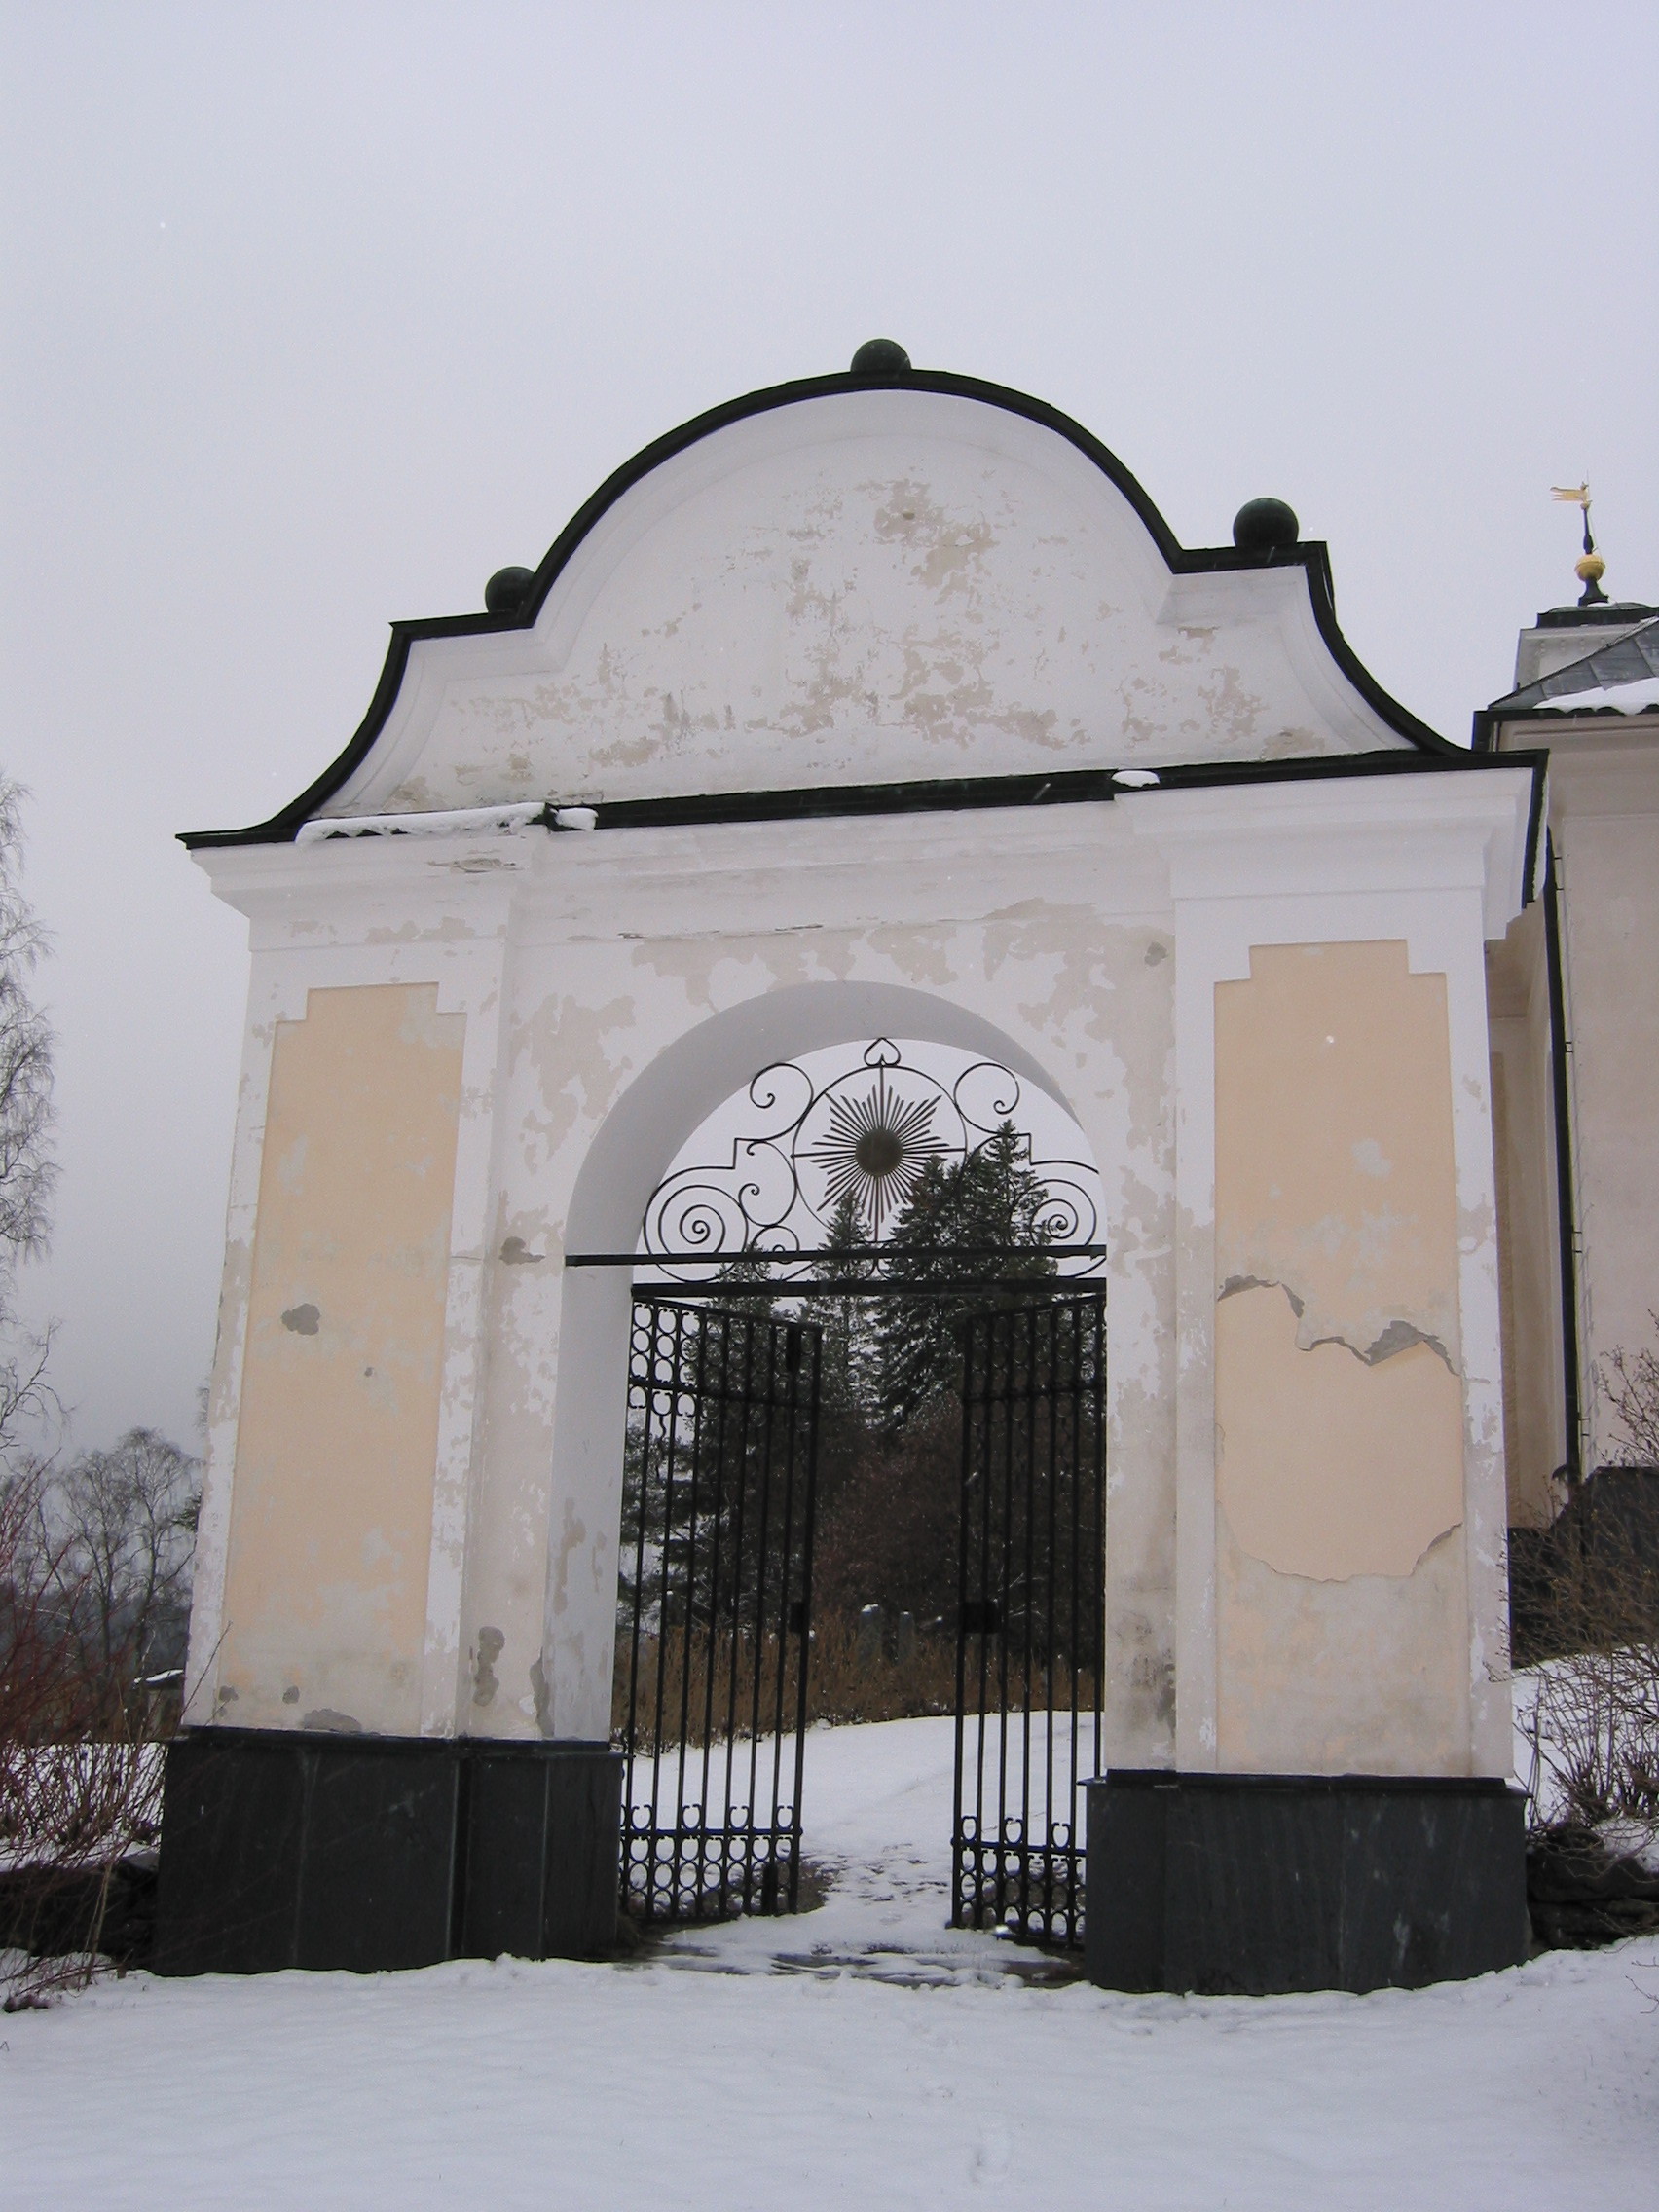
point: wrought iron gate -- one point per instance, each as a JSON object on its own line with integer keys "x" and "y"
{"x": 1030, "y": 1629}
{"x": 714, "y": 1609}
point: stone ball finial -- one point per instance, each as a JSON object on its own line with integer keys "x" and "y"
{"x": 880, "y": 357}
{"x": 505, "y": 592}
{"x": 1264, "y": 526}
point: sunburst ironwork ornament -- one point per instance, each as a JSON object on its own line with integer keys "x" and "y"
{"x": 867, "y": 1135}
{"x": 871, "y": 1138}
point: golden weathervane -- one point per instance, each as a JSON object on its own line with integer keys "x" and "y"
{"x": 1589, "y": 568}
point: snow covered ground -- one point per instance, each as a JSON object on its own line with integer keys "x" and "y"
{"x": 860, "y": 2054}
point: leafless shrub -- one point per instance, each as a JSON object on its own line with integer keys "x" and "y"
{"x": 119, "y": 1528}
{"x": 60, "y": 1798}
{"x": 1630, "y": 1384}
{"x": 80, "y": 1769}
{"x": 1595, "y": 1718}
{"x": 1590, "y": 1599}
{"x": 1596, "y": 1595}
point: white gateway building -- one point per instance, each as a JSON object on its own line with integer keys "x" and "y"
{"x": 867, "y": 777}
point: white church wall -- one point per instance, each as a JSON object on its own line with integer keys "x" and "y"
{"x": 1390, "y": 862}
{"x": 616, "y": 987}
{"x": 1040, "y": 938}
{"x": 1604, "y": 821}
{"x": 890, "y": 584}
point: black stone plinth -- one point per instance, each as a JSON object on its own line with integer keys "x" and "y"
{"x": 281, "y": 1848}
{"x": 1256, "y": 1885}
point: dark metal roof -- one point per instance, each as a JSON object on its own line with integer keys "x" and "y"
{"x": 1632, "y": 659}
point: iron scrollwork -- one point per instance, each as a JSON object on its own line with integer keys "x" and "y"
{"x": 867, "y": 1134}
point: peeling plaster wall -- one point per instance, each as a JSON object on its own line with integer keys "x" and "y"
{"x": 1341, "y": 1592}
{"x": 1435, "y": 865}
{"x": 613, "y": 989}
{"x": 1040, "y": 937}
{"x": 875, "y": 585}
{"x": 1291, "y": 1702}
{"x": 867, "y": 586}
{"x": 1328, "y": 1464}
{"x": 325, "y": 1583}
{"x": 814, "y": 921}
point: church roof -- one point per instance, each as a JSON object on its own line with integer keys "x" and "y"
{"x": 1621, "y": 677}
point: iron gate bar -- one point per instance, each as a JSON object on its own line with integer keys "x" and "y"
{"x": 729, "y": 1405}
{"x": 1032, "y": 1416}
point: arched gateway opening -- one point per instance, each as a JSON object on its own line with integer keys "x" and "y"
{"x": 877, "y": 710}
{"x": 864, "y": 1466}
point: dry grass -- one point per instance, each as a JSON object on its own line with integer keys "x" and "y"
{"x": 850, "y": 1680}
{"x": 707, "y": 1695}
{"x": 851, "y": 1676}
{"x": 713, "y": 1696}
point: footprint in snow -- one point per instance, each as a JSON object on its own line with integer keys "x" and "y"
{"x": 990, "y": 2159}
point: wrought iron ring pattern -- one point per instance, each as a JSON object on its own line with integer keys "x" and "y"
{"x": 868, "y": 1133}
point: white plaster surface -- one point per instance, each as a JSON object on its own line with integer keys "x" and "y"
{"x": 647, "y": 974}
{"x": 1604, "y": 820}
{"x": 875, "y": 586}
{"x": 1604, "y": 827}
{"x": 870, "y": 586}
{"x": 1391, "y": 858}
{"x": 653, "y": 973}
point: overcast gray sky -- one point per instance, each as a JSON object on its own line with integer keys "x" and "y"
{"x": 316, "y": 315}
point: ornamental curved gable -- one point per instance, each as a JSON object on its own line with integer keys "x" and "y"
{"x": 855, "y": 582}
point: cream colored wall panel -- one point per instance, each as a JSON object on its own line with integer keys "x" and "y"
{"x": 1366, "y": 1675}
{"x": 1338, "y": 1404}
{"x": 324, "y": 1608}
{"x": 1334, "y": 1160}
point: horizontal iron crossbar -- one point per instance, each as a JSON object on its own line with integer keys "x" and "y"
{"x": 837, "y": 1286}
{"x": 868, "y": 1257}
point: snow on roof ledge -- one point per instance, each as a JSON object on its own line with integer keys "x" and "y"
{"x": 449, "y": 823}
{"x": 1637, "y": 698}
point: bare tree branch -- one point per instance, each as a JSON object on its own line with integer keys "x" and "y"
{"x": 28, "y": 1174}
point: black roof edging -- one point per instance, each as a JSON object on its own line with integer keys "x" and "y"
{"x": 1309, "y": 554}
{"x": 962, "y": 795}
{"x": 1076, "y": 786}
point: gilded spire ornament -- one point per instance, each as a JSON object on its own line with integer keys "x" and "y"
{"x": 1589, "y": 568}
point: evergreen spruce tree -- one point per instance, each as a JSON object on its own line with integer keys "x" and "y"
{"x": 842, "y": 1315}
{"x": 989, "y": 1204}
